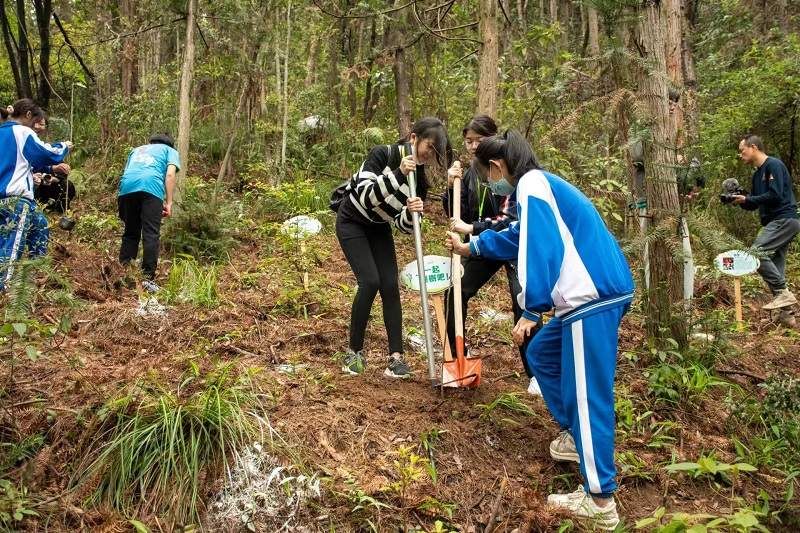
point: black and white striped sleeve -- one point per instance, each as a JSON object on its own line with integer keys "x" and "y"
{"x": 385, "y": 195}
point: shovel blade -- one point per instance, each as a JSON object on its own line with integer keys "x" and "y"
{"x": 463, "y": 371}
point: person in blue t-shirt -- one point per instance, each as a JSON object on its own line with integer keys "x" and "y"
{"x": 145, "y": 196}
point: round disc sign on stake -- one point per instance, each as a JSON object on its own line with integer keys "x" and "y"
{"x": 437, "y": 274}
{"x": 736, "y": 263}
{"x": 301, "y": 226}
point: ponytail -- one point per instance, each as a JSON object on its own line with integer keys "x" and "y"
{"x": 6, "y": 112}
{"x": 512, "y": 148}
{"x": 22, "y": 107}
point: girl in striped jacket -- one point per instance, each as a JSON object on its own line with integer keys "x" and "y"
{"x": 378, "y": 199}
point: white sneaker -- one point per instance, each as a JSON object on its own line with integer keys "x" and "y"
{"x": 563, "y": 448}
{"x": 533, "y": 387}
{"x": 582, "y": 506}
{"x": 784, "y": 298}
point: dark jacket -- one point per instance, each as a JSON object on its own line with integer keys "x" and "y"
{"x": 772, "y": 192}
{"x": 479, "y": 206}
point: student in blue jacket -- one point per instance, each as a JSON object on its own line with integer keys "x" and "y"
{"x": 20, "y": 151}
{"x": 568, "y": 260}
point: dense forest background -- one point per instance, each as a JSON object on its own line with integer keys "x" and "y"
{"x": 641, "y": 104}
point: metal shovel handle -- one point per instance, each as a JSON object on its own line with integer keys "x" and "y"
{"x": 423, "y": 289}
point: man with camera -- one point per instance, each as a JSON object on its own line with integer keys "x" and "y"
{"x": 772, "y": 195}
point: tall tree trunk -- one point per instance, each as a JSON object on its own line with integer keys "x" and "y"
{"x": 23, "y": 56}
{"x": 553, "y": 11}
{"x": 11, "y": 48}
{"x": 371, "y": 93}
{"x": 185, "y": 104}
{"x": 401, "y": 83}
{"x": 311, "y": 64}
{"x": 488, "y": 76}
{"x": 129, "y": 75}
{"x": 689, "y": 74}
{"x": 673, "y": 42}
{"x": 43, "y": 9}
{"x": 334, "y": 76}
{"x": 224, "y": 166}
{"x": 594, "y": 31}
{"x": 285, "y": 129}
{"x": 665, "y": 292}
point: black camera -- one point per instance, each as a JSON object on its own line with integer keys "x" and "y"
{"x": 731, "y": 188}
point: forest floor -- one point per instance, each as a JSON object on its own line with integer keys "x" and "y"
{"x": 391, "y": 455}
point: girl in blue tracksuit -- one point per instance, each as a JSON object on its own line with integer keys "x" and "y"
{"x": 20, "y": 151}
{"x": 568, "y": 260}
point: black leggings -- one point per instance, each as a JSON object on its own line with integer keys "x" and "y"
{"x": 477, "y": 273}
{"x": 369, "y": 248}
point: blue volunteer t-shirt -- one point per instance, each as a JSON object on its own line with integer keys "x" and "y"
{"x": 146, "y": 169}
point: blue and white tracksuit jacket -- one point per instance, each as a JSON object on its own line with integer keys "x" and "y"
{"x": 568, "y": 260}
{"x": 20, "y": 221}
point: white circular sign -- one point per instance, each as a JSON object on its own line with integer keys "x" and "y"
{"x": 736, "y": 263}
{"x": 301, "y": 226}
{"x": 437, "y": 274}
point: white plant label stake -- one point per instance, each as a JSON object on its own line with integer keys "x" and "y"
{"x": 737, "y": 263}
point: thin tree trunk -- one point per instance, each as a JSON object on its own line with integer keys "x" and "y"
{"x": 223, "y": 167}
{"x": 689, "y": 76}
{"x": 185, "y": 104}
{"x": 11, "y": 48}
{"x": 594, "y": 32}
{"x": 286, "y": 87}
{"x": 130, "y": 55}
{"x": 401, "y": 83}
{"x": 553, "y": 11}
{"x": 663, "y": 206}
{"x": 43, "y": 10}
{"x": 68, "y": 42}
{"x": 673, "y": 42}
{"x": 23, "y": 57}
{"x": 311, "y": 64}
{"x": 334, "y": 79}
{"x": 488, "y": 75}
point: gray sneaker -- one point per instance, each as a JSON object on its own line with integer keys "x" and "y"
{"x": 150, "y": 286}
{"x": 353, "y": 363}
{"x": 397, "y": 368}
{"x": 563, "y": 448}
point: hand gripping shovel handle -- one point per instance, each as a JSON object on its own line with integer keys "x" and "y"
{"x": 423, "y": 290}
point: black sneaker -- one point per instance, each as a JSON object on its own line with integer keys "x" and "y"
{"x": 353, "y": 363}
{"x": 397, "y": 368}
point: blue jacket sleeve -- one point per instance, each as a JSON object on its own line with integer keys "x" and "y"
{"x": 498, "y": 245}
{"x": 40, "y": 154}
{"x": 540, "y": 247}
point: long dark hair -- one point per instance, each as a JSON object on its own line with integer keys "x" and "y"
{"x": 21, "y": 108}
{"x": 512, "y": 148}
{"x": 433, "y": 128}
{"x": 483, "y": 125}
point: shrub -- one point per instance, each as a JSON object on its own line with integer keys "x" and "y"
{"x": 155, "y": 446}
{"x": 203, "y": 227}
{"x": 192, "y": 283}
